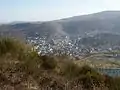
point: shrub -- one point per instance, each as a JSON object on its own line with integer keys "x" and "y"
{"x": 83, "y": 75}
{"x": 112, "y": 83}
{"x": 31, "y": 63}
{"x": 48, "y": 62}
{"x": 70, "y": 69}
{"x": 11, "y": 46}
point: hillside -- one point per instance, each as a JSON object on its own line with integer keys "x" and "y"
{"x": 75, "y": 36}
{"x": 107, "y": 21}
{"x": 23, "y": 69}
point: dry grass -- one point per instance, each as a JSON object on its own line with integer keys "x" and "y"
{"x": 23, "y": 69}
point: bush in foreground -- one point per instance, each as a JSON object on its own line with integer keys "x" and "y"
{"x": 25, "y": 67}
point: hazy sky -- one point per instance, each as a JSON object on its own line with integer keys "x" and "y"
{"x": 44, "y": 10}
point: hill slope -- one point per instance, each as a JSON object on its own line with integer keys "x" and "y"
{"x": 107, "y": 21}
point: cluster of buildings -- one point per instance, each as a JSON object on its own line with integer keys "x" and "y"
{"x": 64, "y": 45}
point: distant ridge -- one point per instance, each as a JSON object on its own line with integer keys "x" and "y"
{"x": 106, "y": 21}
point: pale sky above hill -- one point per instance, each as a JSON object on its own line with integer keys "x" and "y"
{"x": 46, "y": 10}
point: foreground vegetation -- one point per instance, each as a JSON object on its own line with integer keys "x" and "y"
{"x": 21, "y": 68}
